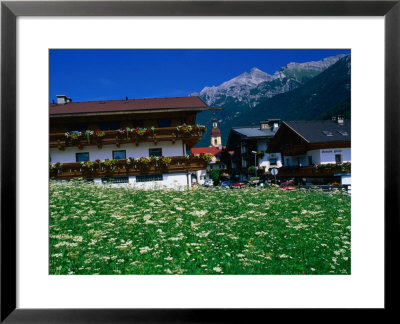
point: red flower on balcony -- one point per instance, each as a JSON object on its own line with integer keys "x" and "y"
{"x": 143, "y": 131}
{"x": 99, "y": 133}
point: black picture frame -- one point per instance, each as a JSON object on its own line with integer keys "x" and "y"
{"x": 10, "y": 10}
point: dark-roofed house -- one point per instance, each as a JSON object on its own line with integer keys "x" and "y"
{"x": 135, "y": 141}
{"x": 249, "y": 145}
{"x": 318, "y": 151}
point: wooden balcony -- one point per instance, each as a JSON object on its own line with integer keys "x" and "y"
{"x": 311, "y": 171}
{"x": 60, "y": 141}
{"x": 178, "y": 164}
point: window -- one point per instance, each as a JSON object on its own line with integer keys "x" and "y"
{"x": 215, "y": 142}
{"x": 119, "y": 155}
{"x": 138, "y": 123}
{"x": 81, "y": 157}
{"x": 164, "y": 123}
{"x": 73, "y": 127}
{"x": 327, "y": 133}
{"x": 115, "y": 126}
{"x": 149, "y": 177}
{"x": 115, "y": 180}
{"x": 110, "y": 126}
{"x": 343, "y": 132}
{"x": 310, "y": 160}
{"x": 338, "y": 158}
{"x": 155, "y": 152}
{"x": 77, "y": 127}
{"x": 103, "y": 126}
{"x": 272, "y": 161}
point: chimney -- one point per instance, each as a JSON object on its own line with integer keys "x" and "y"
{"x": 264, "y": 125}
{"x": 63, "y": 99}
{"x": 340, "y": 120}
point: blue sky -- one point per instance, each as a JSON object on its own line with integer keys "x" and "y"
{"x": 86, "y": 75}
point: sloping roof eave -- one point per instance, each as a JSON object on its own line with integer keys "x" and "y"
{"x": 291, "y": 128}
{"x": 129, "y": 106}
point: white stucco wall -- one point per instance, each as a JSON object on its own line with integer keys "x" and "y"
{"x": 319, "y": 156}
{"x": 346, "y": 180}
{"x": 201, "y": 176}
{"x": 265, "y": 160}
{"x": 68, "y": 155}
{"x": 173, "y": 181}
{"x": 262, "y": 146}
{"x": 328, "y": 155}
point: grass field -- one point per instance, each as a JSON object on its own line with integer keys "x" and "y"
{"x": 120, "y": 230}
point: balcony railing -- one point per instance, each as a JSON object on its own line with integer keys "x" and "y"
{"x": 61, "y": 141}
{"x": 126, "y": 167}
{"x": 313, "y": 171}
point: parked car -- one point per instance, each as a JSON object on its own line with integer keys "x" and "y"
{"x": 239, "y": 184}
{"x": 288, "y": 185}
{"x": 226, "y": 184}
{"x": 208, "y": 183}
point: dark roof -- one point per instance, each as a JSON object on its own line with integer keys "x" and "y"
{"x": 253, "y": 132}
{"x": 314, "y": 131}
{"x": 189, "y": 103}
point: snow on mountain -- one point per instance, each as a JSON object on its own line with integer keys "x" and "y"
{"x": 251, "y": 87}
{"x": 238, "y": 87}
{"x": 314, "y": 65}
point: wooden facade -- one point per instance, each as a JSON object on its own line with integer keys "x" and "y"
{"x": 60, "y": 141}
{"x": 122, "y": 168}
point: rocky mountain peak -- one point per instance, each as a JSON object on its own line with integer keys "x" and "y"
{"x": 251, "y": 87}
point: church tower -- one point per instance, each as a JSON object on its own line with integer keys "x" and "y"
{"x": 215, "y": 135}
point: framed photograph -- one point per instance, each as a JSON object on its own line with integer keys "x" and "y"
{"x": 184, "y": 136}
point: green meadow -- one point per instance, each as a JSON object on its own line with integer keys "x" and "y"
{"x": 125, "y": 230}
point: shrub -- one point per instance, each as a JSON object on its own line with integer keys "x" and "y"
{"x": 215, "y": 174}
{"x": 251, "y": 169}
